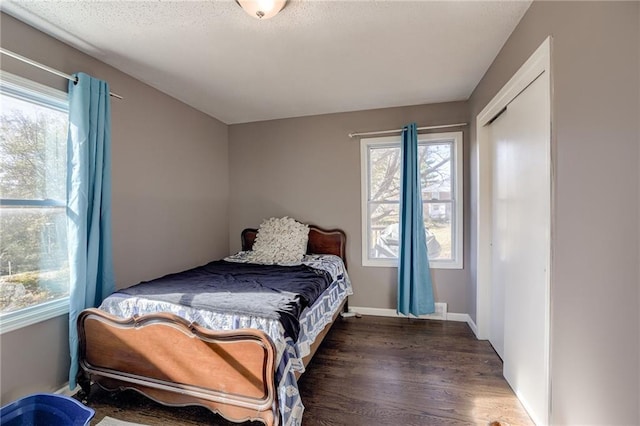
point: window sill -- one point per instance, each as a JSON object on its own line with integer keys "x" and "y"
{"x": 34, "y": 314}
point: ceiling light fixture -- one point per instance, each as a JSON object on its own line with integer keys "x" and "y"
{"x": 262, "y": 9}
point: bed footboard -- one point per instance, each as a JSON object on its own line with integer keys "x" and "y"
{"x": 179, "y": 363}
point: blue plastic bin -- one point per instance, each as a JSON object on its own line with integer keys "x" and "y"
{"x": 42, "y": 409}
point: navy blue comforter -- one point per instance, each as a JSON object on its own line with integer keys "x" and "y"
{"x": 269, "y": 291}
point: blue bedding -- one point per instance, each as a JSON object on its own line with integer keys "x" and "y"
{"x": 268, "y": 291}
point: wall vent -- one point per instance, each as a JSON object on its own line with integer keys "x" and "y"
{"x": 439, "y": 314}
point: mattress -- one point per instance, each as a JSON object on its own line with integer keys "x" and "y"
{"x": 312, "y": 314}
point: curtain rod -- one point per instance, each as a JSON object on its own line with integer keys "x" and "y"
{"x": 384, "y": 132}
{"x": 46, "y": 68}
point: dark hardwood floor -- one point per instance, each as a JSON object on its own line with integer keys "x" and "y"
{"x": 374, "y": 371}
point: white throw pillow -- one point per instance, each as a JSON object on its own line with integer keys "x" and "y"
{"x": 281, "y": 241}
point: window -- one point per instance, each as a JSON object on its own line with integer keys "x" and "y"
{"x": 34, "y": 272}
{"x": 440, "y": 158}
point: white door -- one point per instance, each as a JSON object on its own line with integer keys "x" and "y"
{"x": 521, "y": 223}
{"x": 500, "y": 185}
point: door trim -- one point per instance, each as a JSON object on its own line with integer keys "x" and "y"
{"x": 539, "y": 63}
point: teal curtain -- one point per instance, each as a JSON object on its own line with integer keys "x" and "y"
{"x": 415, "y": 291}
{"x": 88, "y": 202}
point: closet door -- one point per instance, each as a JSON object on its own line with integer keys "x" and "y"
{"x": 521, "y": 244}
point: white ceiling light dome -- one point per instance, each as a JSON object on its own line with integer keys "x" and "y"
{"x": 262, "y": 9}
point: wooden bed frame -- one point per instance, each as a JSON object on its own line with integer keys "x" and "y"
{"x": 179, "y": 363}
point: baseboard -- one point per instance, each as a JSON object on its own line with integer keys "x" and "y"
{"x": 458, "y": 317}
{"x": 66, "y": 391}
{"x": 440, "y": 314}
{"x": 473, "y": 326}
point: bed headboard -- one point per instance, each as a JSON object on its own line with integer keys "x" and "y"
{"x": 321, "y": 241}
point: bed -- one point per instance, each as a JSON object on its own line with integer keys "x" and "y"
{"x": 241, "y": 366}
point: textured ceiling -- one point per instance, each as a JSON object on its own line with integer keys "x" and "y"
{"x": 314, "y": 57}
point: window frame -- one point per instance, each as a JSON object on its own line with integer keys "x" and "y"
{"x": 457, "y": 198}
{"x": 33, "y": 92}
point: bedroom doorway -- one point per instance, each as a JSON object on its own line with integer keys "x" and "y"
{"x": 514, "y": 230}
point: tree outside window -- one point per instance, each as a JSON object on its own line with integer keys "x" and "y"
{"x": 33, "y": 251}
{"x": 439, "y": 160}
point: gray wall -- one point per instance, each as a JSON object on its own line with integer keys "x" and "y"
{"x": 183, "y": 190}
{"x": 309, "y": 169}
{"x": 170, "y": 195}
{"x": 595, "y": 138}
